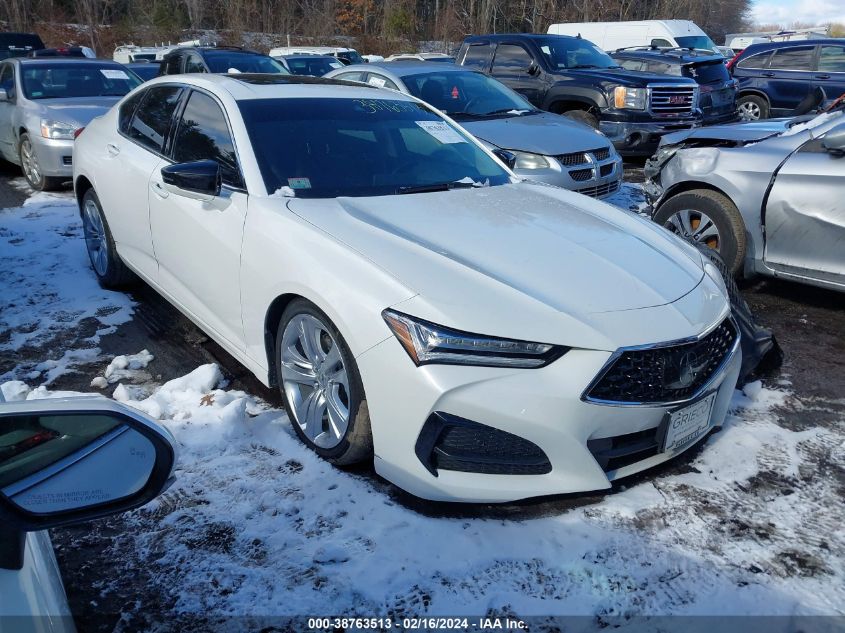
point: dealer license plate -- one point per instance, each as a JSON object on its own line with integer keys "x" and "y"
{"x": 685, "y": 426}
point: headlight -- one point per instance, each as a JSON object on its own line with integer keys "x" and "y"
{"x": 711, "y": 271}
{"x": 629, "y": 98}
{"x": 58, "y": 130}
{"x": 429, "y": 343}
{"x": 524, "y": 160}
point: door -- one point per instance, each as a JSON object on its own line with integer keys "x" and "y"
{"x": 134, "y": 153}
{"x": 805, "y": 215}
{"x": 789, "y": 77}
{"x": 198, "y": 244}
{"x": 7, "y": 109}
{"x": 831, "y": 70}
{"x": 511, "y": 66}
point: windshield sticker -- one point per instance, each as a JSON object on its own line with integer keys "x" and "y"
{"x": 441, "y": 131}
{"x": 376, "y": 81}
{"x": 113, "y": 73}
{"x": 299, "y": 183}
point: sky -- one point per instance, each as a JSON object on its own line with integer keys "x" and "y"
{"x": 786, "y": 12}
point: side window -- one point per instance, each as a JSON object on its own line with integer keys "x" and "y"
{"x": 7, "y": 80}
{"x": 793, "y": 58}
{"x": 194, "y": 64}
{"x": 511, "y": 60}
{"x": 127, "y": 109}
{"x": 356, "y": 76}
{"x": 173, "y": 65}
{"x": 755, "y": 62}
{"x": 832, "y": 59}
{"x": 152, "y": 119}
{"x": 631, "y": 64}
{"x": 203, "y": 134}
{"x": 660, "y": 42}
{"x": 380, "y": 81}
{"x": 477, "y": 56}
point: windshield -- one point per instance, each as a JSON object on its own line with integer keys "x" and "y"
{"x": 696, "y": 41}
{"x": 466, "y": 94}
{"x": 326, "y": 148}
{"x": 572, "y": 52}
{"x": 351, "y": 57}
{"x": 45, "y": 81}
{"x": 316, "y": 66}
{"x": 222, "y": 61}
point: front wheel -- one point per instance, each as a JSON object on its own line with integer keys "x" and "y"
{"x": 32, "y": 168}
{"x": 709, "y": 218}
{"x": 582, "y": 116}
{"x": 110, "y": 270}
{"x": 321, "y": 386}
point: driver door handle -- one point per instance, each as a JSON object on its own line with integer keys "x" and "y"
{"x": 822, "y": 76}
{"x": 158, "y": 189}
{"x": 112, "y": 149}
{"x": 767, "y": 74}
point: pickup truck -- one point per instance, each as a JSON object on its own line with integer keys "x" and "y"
{"x": 573, "y": 77}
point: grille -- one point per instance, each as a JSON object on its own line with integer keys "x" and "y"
{"x": 600, "y": 190}
{"x": 672, "y": 100}
{"x": 601, "y": 154}
{"x": 67, "y": 160}
{"x": 664, "y": 374}
{"x": 451, "y": 443}
{"x": 606, "y": 170}
{"x": 580, "y": 175}
{"x": 570, "y": 160}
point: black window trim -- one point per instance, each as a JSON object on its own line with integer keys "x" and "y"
{"x": 168, "y": 136}
{"x": 491, "y": 46}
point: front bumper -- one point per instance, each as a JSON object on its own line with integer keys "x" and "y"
{"x": 55, "y": 157}
{"x": 635, "y": 138}
{"x": 543, "y": 406}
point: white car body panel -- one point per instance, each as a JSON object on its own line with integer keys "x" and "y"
{"x": 520, "y": 260}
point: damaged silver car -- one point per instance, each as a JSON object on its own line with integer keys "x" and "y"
{"x": 768, "y": 196}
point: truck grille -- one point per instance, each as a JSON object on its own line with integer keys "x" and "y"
{"x": 664, "y": 374}
{"x": 673, "y": 100}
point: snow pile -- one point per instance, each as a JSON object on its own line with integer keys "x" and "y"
{"x": 50, "y": 297}
{"x": 257, "y": 524}
{"x": 124, "y": 367}
{"x": 629, "y": 197}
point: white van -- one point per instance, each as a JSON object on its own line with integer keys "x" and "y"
{"x": 613, "y": 35}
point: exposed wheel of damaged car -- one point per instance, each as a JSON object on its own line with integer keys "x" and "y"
{"x": 709, "y": 218}
{"x": 478, "y": 337}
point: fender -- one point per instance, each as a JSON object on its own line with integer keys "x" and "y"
{"x": 578, "y": 94}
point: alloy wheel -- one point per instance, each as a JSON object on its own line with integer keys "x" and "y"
{"x": 95, "y": 237}
{"x": 315, "y": 380}
{"x": 749, "y": 111}
{"x": 696, "y": 226}
{"x": 29, "y": 163}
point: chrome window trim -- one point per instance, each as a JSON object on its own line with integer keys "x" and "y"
{"x": 684, "y": 341}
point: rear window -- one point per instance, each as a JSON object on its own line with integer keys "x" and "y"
{"x": 710, "y": 72}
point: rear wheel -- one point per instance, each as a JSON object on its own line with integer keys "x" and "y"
{"x": 710, "y": 219}
{"x": 583, "y": 116}
{"x": 32, "y": 169}
{"x": 752, "y": 108}
{"x": 321, "y": 386}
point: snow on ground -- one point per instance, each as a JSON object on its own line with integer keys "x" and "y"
{"x": 256, "y": 524}
{"x": 50, "y": 298}
{"x": 630, "y": 197}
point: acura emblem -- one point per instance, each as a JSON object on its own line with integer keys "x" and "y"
{"x": 689, "y": 368}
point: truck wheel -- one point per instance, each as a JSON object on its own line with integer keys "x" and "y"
{"x": 752, "y": 108}
{"x": 582, "y": 116}
{"x": 709, "y": 218}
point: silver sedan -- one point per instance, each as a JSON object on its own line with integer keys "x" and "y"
{"x": 43, "y": 104}
{"x": 548, "y": 148}
{"x": 767, "y": 195}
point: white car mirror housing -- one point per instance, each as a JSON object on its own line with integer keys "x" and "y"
{"x": 69, "y": 460}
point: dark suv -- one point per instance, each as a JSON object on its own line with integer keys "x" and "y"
{"x": 19, "y": 44}
{"x": 717, "y": 89}
{"x": 776, "y": 76}
{"x": 574, "y": 77}
{"x": 218, "y": 59}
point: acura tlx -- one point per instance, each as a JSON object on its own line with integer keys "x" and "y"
{"x": 480, "y": 338}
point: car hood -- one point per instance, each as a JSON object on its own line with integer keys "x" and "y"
{"x": 526, "y": 245}
{"x": 80, "y": 110}
{"x": 737, "y": 132}
{"x": 622, "y": 77}
{"x": 543, "y": 133}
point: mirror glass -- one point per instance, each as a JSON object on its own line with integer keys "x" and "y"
{"x": 61, "y": 463}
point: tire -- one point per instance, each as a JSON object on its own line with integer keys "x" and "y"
{"x": 710, "y": 218}
{"x": 752, "y": 108}
{"x": 582, "y": 116}
{"x": 31, "y": 169}
{"x": 295, "y": 369}
{"x": 111, "y": 272}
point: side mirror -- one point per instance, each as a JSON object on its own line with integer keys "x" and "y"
{"x": 508, "y": 158}
{"x": 533, "y": 69}
{"x": 4, "y": 96}
{"x": 68, "y": 460}
{"x": 834, "y": 141}
{"x": 200, "y": 180}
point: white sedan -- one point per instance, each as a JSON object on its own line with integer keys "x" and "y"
{"x": 479, "y": 337}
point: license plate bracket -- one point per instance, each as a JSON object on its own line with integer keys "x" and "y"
{"x": 686, "y": 425}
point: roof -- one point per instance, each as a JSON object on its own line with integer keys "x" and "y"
{"x": 307, "y": 56}
{"x": 66, "y": 60}
{"x": 267, "y": 86}
{"x": 518, "y": 36}
{"x": 762, "y": 46}
{"x": 668, "y": 55}
{"x": 408, "y": 68}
